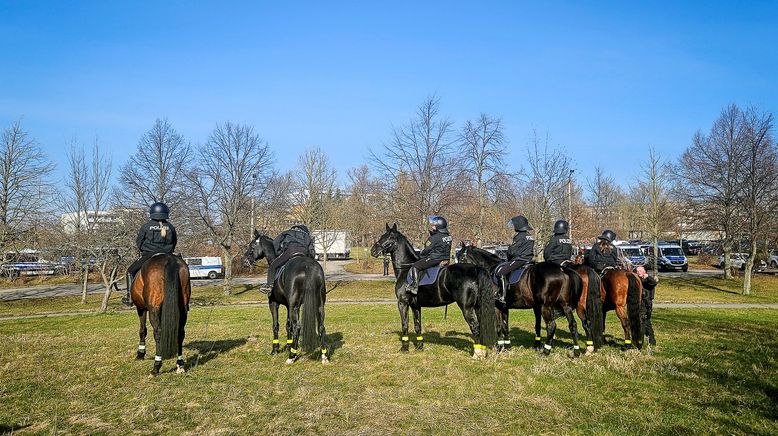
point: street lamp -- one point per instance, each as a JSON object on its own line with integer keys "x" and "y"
{"x": 570, "y": 201}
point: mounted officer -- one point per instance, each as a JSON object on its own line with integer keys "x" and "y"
{"x": 156, "y": 236}
{"x": 560, "y": 247}
{"x": 520, "y": 252}
{"x": 296, "y": 241}
{"x": 604, "y": 254}
{"x": 437, "y": 251}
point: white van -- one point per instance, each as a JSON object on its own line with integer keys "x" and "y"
{"x": 207, "y": 266}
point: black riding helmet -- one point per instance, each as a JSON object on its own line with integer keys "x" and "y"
{"x": 159, "y": 211}
{"x": 608, "y": 235}
{"x": 561, "y": 227}
{"x": 438, "y": 222}
{"x": 520, "y": 223}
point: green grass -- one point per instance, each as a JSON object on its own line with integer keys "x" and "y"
{"x": 764, "y": 289}
{"x": 711, "y": 373}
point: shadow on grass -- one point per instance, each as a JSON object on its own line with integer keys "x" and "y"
{"x": 702, "y": 282}
{"x": 8, "y": 429}
{"x": 209, "y": 350}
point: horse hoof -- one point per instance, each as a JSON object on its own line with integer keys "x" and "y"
{"x": 140, "y": 356}
{"x": 419, "y": 347}
{"x": 324, "y": 359}
{"x": 546, "y": 351}
{"x": 576, "y": 352}
{"x": 180, "y": 370}
{"x": 479, "y": 353}
{"x": 290, "y": 360}
{"x": 274, "y": 352}
{"x": 589, "y": 349}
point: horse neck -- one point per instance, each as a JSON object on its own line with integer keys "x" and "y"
{"x": 404, "y": 255}
{"x": 484, "y": 258}
{"x": 268, "y": 248}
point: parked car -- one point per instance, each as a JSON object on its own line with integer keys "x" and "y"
{"x": 28, "y": 263}
{"x": 737, "y": 260}
{"x": 670, "y": 257}
{"x": 772, "y": 258}
{"x": 205, "y": 266}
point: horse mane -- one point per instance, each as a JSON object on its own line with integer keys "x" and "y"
{"x": 483, "y": 253}
{"x": 404, "y": 241}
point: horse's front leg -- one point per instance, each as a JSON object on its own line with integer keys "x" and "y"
{"x": 180, "y": 367}
{"x": 573, "y": 329}
{"x": 142, "y": 332}
{"x": 417, "y": 327}
{"x": 504, "y": 331}
{"x": 403, "y": 307}
{"x": 154, "y": 317}
{"x": 274, "y": 314}
{"x": 538, "y": 344}
{"x": 621, "y": 312}
{"x": 322, "y": 333}
{"x": 294, "y": 317}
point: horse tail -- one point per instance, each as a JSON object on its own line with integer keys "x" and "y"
{"x": 487, "y": 319}
{"x": 170, "y": 312}
{"x": 312, "y": 291}
{"x": 633, "y": 310}
{"x": 594, "y": 309}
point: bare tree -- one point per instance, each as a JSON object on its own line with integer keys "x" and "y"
{"x": 316, "y": 196}
{"x": 155, "y": 172}
{"x": 420, "y": 162}
{"x": 233, "y": 165}
{"x": 759, "y": 189}
{"x": 708, "y": 179}
{"x": 483, "y": 148}
{"x": 654, "y": 197}
{"x": 24, "y": 184}
{"x": 546, "y": 186}
{"x": 604, "y": 196}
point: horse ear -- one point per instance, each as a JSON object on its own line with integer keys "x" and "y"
{"x": 462, "y": 244}
{"x": 394, "y": 227}
{"x": 256, "y": 234}
{"x": 387, "y": 227}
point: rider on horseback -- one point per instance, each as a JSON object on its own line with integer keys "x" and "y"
{"x": 156, "y": 236}
{"x": 604, "y": 254}
{"x": 296, "y": 241}
{"x": 560, "y": 247}
{"x": 519, "y": 253}
{"x": 438, "y": 250}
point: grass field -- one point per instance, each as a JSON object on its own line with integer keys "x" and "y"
{"x": 712, "y": 372}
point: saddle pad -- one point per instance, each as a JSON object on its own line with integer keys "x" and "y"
{"x": 514, "y": 277}
{"x": 427, "y": 276}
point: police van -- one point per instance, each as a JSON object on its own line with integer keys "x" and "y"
{"x": 634, "y": 254}
{"x": 206, "y": 266}
{"x": 28, "y": 263}
{"x": 671, "y": 258}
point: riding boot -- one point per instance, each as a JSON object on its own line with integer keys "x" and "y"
{"x": 413, "y": 287}
{"x": 127, "y": 300}
{"x": 271, "y": 278}
{"x": 503, "y": 288}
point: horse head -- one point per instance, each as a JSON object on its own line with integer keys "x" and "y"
{"x": 255, "y": 251}
{"x": 387, "y": 243}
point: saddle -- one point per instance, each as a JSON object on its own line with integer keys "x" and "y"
{"x": 514, "y": 276}
{"x": 430, "y": 275}
{"x": 606, "y": 269}
{"x": 280, "y": 269}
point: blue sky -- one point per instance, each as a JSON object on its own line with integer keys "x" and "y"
{"x": 604, "y": 82}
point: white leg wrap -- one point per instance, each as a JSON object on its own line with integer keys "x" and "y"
{"x": 141, "y": 348}
{"x": 546, "y": 346}
{"x": 576, "y": 347}
{"x": 158, "y": 358}
{"x": 181, "y": 357}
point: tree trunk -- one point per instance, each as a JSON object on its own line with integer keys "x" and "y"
{"x": 727, "y": 259}
{"x": 655, "y": 259}
{"x": 749, "y": 269}
{"x": 84, "y": 281}
{"x": 227, "y": 269}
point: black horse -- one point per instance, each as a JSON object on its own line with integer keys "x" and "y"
{"x": 466, "y": 285}
{"x": 547, "y": 288}
{"x": 300, "y": 283}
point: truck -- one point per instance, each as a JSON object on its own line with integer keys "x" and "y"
{"x": 336, "y": 242}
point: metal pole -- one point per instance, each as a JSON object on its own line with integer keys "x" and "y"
{"x": 570, "y": 201}
{"x": 251, "y": 230}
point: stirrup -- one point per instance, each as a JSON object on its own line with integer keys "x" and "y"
{"x": 126, "y": 300}
{"x": 265, "y": 288}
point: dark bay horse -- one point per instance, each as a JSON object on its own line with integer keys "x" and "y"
{"x": 162, "y": 289}
{"x": 546, "y": 288}
{"x": 467, "y": 285}
{"x": 299, "y": 284}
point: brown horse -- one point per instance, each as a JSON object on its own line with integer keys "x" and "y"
{"x": 622, "y": 291}
{"x": 162, "y": 289}
{"x": 589, "y": 308}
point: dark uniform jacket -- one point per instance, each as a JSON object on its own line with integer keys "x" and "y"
{"x": 294, "y": 239}
{"x": 558, "y": 249}
{"x": 599, "y": 260}
{"x": 439, "y": 247}
{"x": 522, "y": 248}
{"x": 156, "y": 237}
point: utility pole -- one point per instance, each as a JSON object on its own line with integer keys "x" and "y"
{"x": 570, "y": 201}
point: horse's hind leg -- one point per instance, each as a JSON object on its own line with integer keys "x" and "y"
{"x": 538, "y": 342}
{"x": 274, "y": 314}
{"x": 586, "y": 326}
{"x": 154, "y": 317}
{"x": 322, "y": 334}
{"x": 548, "y": 317}
{"x": 504, "y": 331}
{"x": 180, "y": 368}
{"x": 621, "y": 312}
{"x": 573, "y": 329}
{"x": 294, "y": 317}
{"x": 142, "y": 332}
{"x": 479, "y": 350}
{"x": 419, "y": 344}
